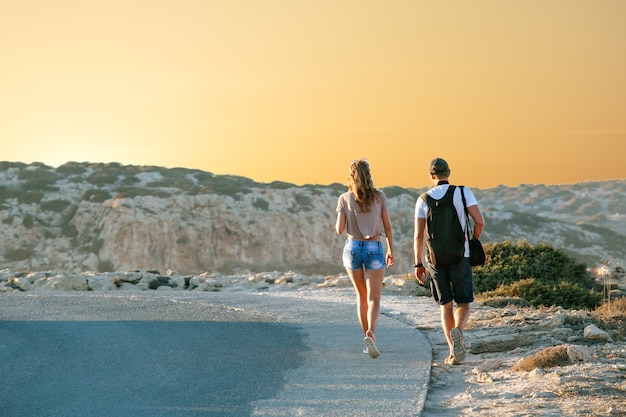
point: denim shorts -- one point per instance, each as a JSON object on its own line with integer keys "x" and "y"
{"x": 363, "y": 253}
{"x": 452, "y": 283}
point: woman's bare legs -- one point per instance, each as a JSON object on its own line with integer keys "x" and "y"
{"x": 357, "y": 276}
{"x": 368, "y": 286}
{"x": 374, "y": 283}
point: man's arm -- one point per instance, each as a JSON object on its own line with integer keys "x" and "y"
{"x": 479, "y": 222}
{"x": 418, "y": 248}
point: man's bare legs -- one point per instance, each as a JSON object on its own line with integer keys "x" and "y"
{"x": 451, "y": 318}
{"x": 461, "y": 315}
{"x": 368, "y": 286}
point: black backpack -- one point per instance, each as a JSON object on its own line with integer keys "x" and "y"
{"x": 445, "y": 239}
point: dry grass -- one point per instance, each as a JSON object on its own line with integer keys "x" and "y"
{"x": 616, "y": 309}
{"x": 546, "y": 358}
{"x": 612, "y": 316}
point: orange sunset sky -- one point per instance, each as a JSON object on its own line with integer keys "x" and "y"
{"x": 509, "y": 92}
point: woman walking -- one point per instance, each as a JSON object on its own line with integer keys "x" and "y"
{"x": 360, "y": 213}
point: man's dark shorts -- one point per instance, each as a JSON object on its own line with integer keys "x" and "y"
{"x": 452, "y": 283}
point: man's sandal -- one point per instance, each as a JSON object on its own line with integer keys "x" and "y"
{"x": 458, "y": 344}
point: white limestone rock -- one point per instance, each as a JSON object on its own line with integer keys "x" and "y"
{"x": 592, "y": 332}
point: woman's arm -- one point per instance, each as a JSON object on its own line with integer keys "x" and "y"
{"x": 340, "y": 225}
{"x": 389, "y": 237}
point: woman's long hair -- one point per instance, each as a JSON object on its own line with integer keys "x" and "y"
{"x": 361, "y": 184}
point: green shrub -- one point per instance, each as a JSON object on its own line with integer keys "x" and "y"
{"x": 69, "y": 230}
{"x": 40, "y": 184}
{"x": 540, "y": 274}
{"x": 56, "y": 206}
{"x": 338, "y": 188}
{"x": 129, "y": 181}
{"x": 101, "y": 178}
{"x": 394, "y": 191}
{"x": 203, "y": 176}
{"x": 281, "y": 185}
{"x": 130, "y": 192}
{"x": 71, "y": 168}
{"x": 261, "y": 204}
{"x": 175, "y": 177}
{"x": 5, "y": 165}
{"x": 508, "y": 263}
{"x": 96, "y": 245}
{"x": 16, "y": 255}
{"x": 30, "y": 197}
{"x": 230, "y": 185}
{"x": 37, "y": 174}
{"x": 106, "y": 266}
{"x": 75, "y": 179}
{"x": 95, "y": 196}
{"x": 564, "y": 294}
{"x": 304, "y": 201}
{"x": 7, "y": 193}
{"x": 28, "y": 221}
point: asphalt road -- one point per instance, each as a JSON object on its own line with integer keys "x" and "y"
{"x": 201, "y": 354}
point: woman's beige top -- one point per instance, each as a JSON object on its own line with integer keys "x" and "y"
{"x": 362, "y": 225}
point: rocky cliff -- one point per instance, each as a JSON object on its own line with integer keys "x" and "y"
{"x": 106, "y": 217}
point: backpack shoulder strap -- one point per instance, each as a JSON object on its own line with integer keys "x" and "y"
{"x": 463, "y": 197}
{"x": 467, "y": 221}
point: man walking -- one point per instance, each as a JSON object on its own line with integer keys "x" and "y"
{"x": 437, "y": 213}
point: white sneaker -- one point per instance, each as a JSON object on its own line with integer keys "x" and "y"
{"x": 372, "y": 350}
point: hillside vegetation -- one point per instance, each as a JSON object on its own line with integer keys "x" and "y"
{"x": 540, "y": 274}
{"x": 92, "y": 216}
